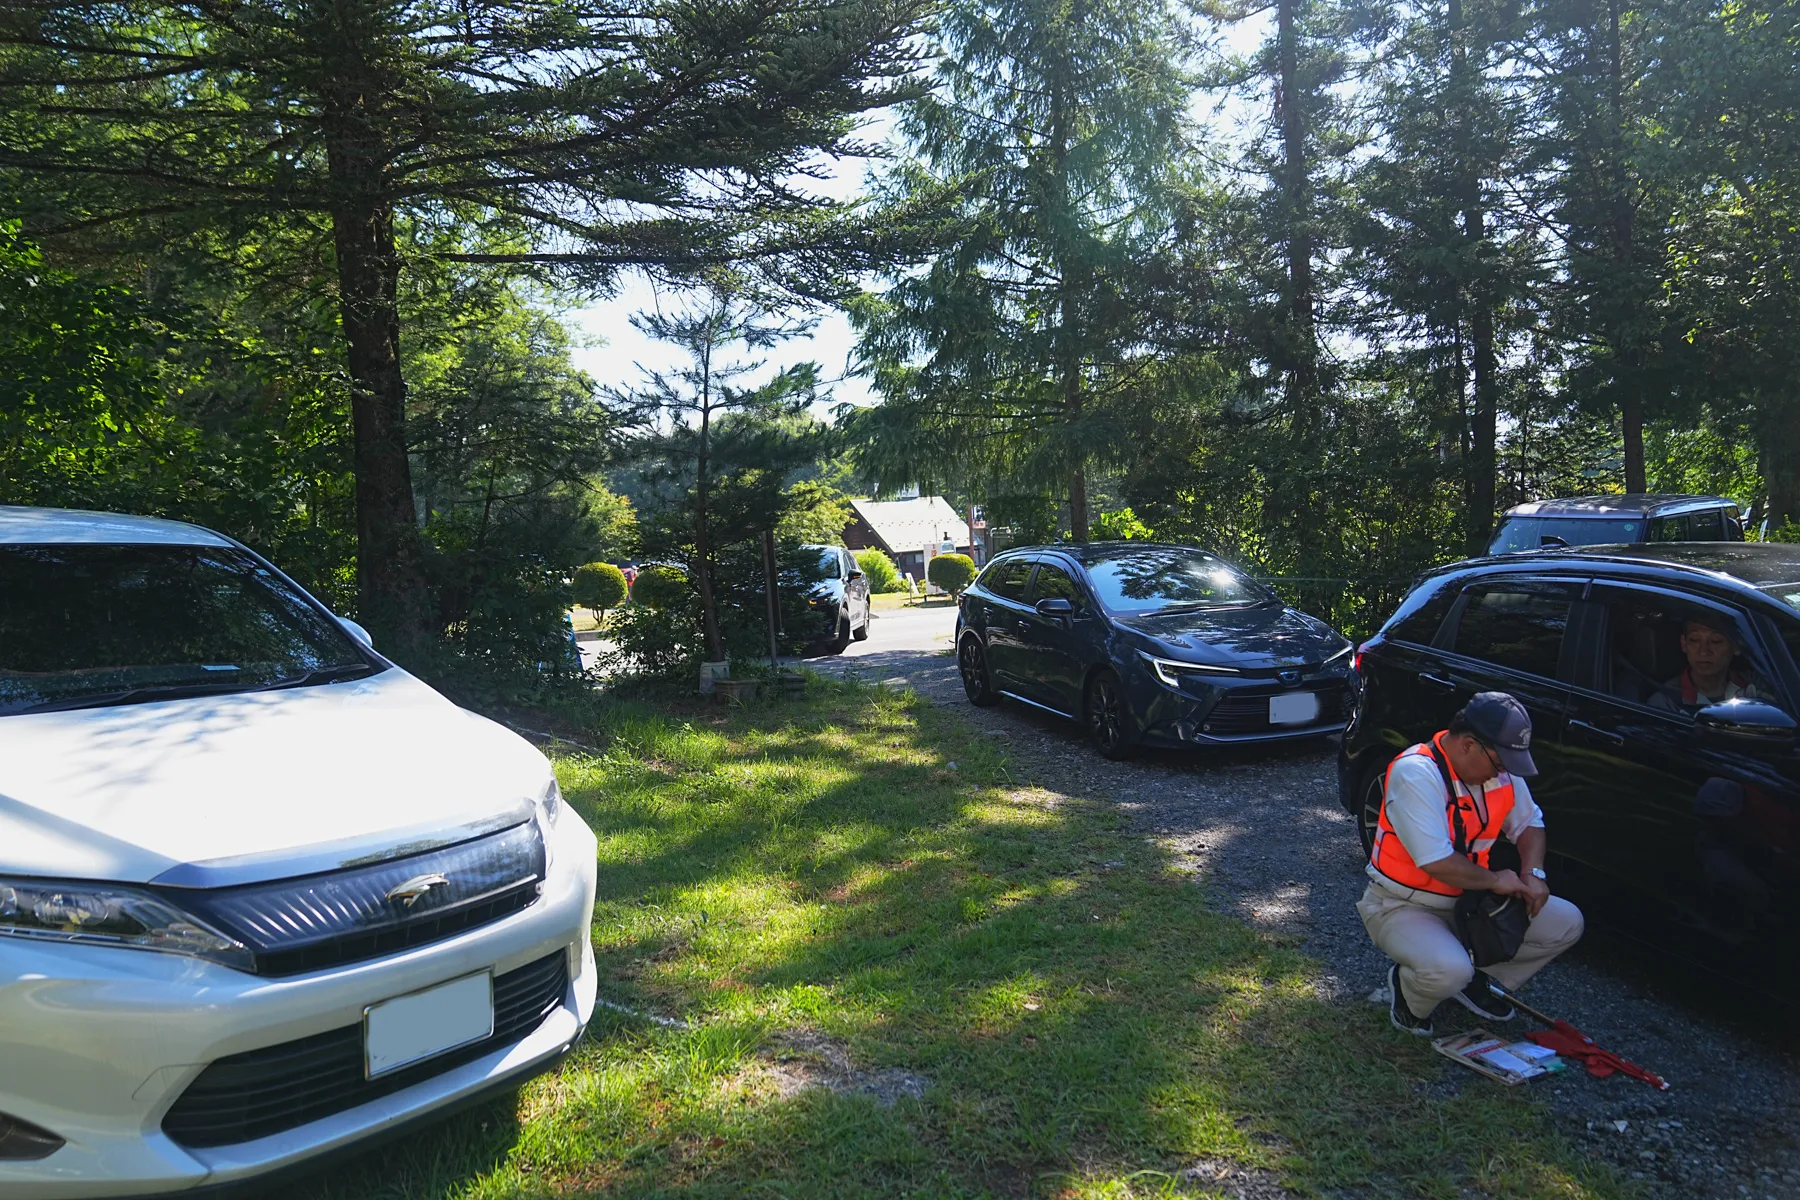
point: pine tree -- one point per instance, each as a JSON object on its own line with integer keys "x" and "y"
{"x": 581, "y": 137}
{"x": 1056, "y": 131}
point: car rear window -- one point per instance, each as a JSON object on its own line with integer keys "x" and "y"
{"x": 1520, "y": 630}
{"x": 1154, "y": 579}
{"x": 88, "y": 625}
{"x": 1421, "y": 614}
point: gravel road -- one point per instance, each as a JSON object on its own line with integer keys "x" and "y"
{"x": 1264, "y": 830}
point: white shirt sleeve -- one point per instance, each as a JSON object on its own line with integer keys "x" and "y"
{"x": 1415, "y": 808}
{"x": 1525, "y": 813}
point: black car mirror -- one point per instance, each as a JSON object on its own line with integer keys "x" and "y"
{"x": 1055, "y": 606}
{"x": 1746, "y": 725}
{"x": 854, "y": 574}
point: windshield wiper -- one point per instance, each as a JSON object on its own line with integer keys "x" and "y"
{"x": 334, "y": 674}
{"x": 136, "y": 695}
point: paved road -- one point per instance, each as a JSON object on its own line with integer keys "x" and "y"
{"x": 908, "y": 646}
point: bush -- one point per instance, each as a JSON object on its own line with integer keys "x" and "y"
{"x": 1121, "y": 525}
{"x": 661, "y": 587}
{"x": 952, "y": 572}
{"x": 883, "y": 575}
{"x": 599, "y": 586}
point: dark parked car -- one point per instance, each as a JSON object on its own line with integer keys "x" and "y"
{"x": 840, "y": 596}
{"x": 1149, "y": 643}
{"x": 1670, "y": 818}
{"x": 1611, "y": 520}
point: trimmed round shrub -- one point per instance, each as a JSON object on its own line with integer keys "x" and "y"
{"x": 658, "y": 586}
{"x": 599, "y": 586}
{"x": 952, "y": 572}
{"x": 883, "y": 575}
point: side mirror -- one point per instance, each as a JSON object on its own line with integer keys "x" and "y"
{"x": 1055, "y": 606}
{"x": 1746, "y": 725}
{"x": 855, "y": 573}
{"x": 357, "y": 631}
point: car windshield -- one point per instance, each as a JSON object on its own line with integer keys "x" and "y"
{"x": 828, "y": 563}
{"x": 1149, "y": 580}
{"x": 1528, "y": 533}
{"x": 89, "y": 625}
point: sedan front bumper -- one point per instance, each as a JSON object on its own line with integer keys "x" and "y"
{"x": 98, "y": 1044}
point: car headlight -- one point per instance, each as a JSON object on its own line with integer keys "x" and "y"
{"x": 550, "y": 803}
{"x": 101, "y": 914}
{"x": 1172, "y": 672}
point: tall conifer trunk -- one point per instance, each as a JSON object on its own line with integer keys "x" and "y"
{"x": 1302, "y": 368}
{"x": 393, "y": 598}
{"x": 1484, "y": 415}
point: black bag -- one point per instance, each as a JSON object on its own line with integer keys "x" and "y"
{"x": 1492, "y": 926}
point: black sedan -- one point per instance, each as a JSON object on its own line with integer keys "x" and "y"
{"x": 1662, "y": 682}
{"x": 1147, "y": 643}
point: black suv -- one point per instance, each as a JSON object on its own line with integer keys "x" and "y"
{"x": 1670, "y": 818}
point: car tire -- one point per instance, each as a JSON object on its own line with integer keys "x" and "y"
{"x": 861, "y": 632}
{"x": 1368, "y": 806}
{"x": 840, "y": 640}
{"x": 971, "y": 664}
{"x": 1107, "y": 715}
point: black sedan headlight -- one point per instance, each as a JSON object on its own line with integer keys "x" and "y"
{"x": 1173, "y": 672}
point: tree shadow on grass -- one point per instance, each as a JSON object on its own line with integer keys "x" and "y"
{"x": 1087, "y": 1024}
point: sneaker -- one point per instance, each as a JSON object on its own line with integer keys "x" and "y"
{"x": 1402, "y": 1016}
{"x": 1480, "y": 999}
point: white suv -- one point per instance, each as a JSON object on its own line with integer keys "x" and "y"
{"x": 262, "y": 893}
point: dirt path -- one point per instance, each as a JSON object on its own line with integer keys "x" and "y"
{"x": 1264, "y": 830}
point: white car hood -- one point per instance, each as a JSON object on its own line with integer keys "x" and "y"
{"x": 212, "y": 790}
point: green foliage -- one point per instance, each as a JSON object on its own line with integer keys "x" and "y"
{"x": 882, "y": 574}
{"x": 814, "y": 512}
{"x": 952, "y": 572}
{"x": 1120, "y": 525}
{"x": 662, "y": 587}
{"x": 599, "y": 586}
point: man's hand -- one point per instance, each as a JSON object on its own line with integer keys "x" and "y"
{"x": 1537, "y": 894}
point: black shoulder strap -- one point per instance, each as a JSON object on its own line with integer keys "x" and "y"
{"x": 1457, "y": 837}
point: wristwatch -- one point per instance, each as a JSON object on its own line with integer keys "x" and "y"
{"x": 1539, "y": 872}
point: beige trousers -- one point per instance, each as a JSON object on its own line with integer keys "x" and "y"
{"x": 1434, "y": 965}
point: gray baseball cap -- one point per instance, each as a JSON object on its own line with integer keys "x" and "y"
{"x": 1502, "y": 722}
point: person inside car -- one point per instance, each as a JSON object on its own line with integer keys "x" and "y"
{"x": 1472, "y": 773}
{"x": 1709, "y": 677}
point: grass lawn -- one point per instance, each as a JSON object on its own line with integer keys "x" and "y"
{"x": 853, "y": 889}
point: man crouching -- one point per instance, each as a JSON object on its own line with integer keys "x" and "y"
{"x": 1472, "y": 773}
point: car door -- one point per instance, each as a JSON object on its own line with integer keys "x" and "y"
{"x": 1052, "y": 663}
{"x": 1668, "y": 821}
{"x": 1005, "y": 613}
{"x": 1509, "y": 634}
{"x": 856, "y": 585}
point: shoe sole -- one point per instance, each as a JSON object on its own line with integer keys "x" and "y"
{"x": 1482, "y": 1012}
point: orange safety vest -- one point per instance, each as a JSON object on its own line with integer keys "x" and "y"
{"x": 1472, "y": 830}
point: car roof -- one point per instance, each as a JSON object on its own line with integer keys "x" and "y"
{"x": 49, "y": 526}
{"x": 1636, "y": 504}
{"x": 1770, "y": 567}
{"x": 1092, "y": 552}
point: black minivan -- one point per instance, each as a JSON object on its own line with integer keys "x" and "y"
{"x": 1672, "y": 818}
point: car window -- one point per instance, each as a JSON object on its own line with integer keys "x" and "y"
{"x": 1708, "y": 526}
{"x": 1007, "y": 578}
{"x": 100, "y": 624}
{"x": 1528, "y": 533}
{"x": 1670, "y": 529}
{"x": 1170, "y": 577}
{"x": 1421, "y": 614}
{"x": 846, "y": 564}
{"x": 1053, "y": 581}
{"x": 1521, "y": 630}
{"x": 1650, "y": 637}
{"x": 829, "y": 564}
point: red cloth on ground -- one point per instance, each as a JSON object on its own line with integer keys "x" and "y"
{"x": 1570, "y": 1042}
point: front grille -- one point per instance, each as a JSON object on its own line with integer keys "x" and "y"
{"x": 263, "y": 1092}
{"x": 1248, "y": 712}
{"x": 308, "y": 924}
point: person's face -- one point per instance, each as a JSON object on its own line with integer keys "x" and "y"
{"x": 1475, "y": 761}
{"x": 1708, "y": 651}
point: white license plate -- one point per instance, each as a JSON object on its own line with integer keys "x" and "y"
{"x": 1295, "y": 708}
{"x": 407, "y": 1029}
